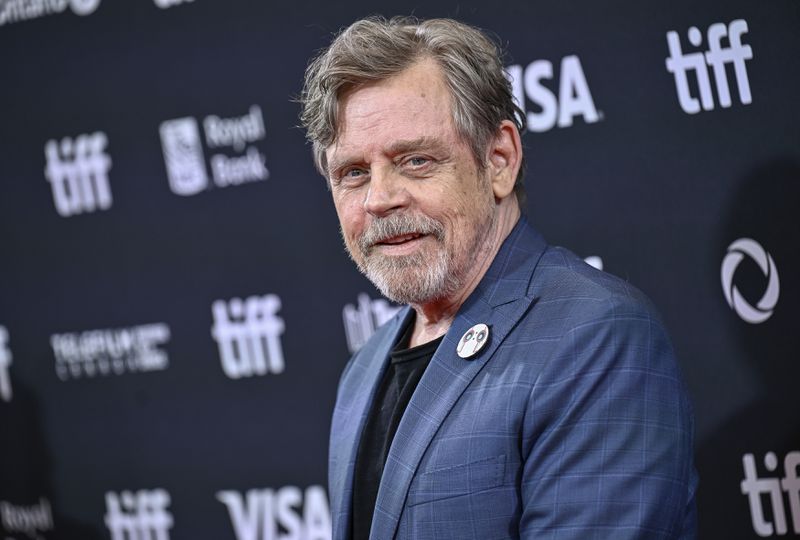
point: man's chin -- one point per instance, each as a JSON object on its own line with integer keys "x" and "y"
{"x": 409, "y": 281}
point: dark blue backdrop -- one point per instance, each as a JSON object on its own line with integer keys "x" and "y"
{"x": 176, "y": 305}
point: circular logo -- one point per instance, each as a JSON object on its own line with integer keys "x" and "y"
{"x": 83, "y": 7}
{"x": 736, "y": 253}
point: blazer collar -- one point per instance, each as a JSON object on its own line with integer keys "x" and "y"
{"x": 499, "y": 301}
{"x": 350, "y": 417}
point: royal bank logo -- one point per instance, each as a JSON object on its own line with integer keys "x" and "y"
{"x": 5, "y": 362}
{"x": 31, "y": 520}
{"x": 737, "y": 251}
{"x": 718, "y": 57}
{"x": 287, "y": 513}
{"x": 361, "y": 320}
{"x": 77, "y": 169}
{"x": 13, "y": 11}
{"x": 248, "y": 333}
{"x": 183, "y": 155}
{"x": 774, "y": 488}
{"x": 110, "y": 351}
{"x": 140, "y": 515}
{"x": 236, "y": 160}
{"x": 573, "y": 99}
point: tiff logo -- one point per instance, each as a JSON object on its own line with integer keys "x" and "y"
{"x": 718, "y": 57}
{"x": 138, "y": 516}
{"x": 754, "y": 487}
{"x": 361, "y": 321}
{"x": 5, "y": 362}
{"x": 77, "y": 170}
{"x": 248, "y": 334}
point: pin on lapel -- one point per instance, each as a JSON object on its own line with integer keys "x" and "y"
{"x": 473, "y": 341}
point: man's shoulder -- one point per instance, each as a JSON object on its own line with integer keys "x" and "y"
{"x": 556, "y": 277}
{"x": 566, "y": 284}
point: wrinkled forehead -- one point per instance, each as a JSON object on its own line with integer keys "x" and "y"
{"x": 411, "y": 105}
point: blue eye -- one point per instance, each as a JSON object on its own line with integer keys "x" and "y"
{"x": 418, "y": 161}
{"x": 353, "y": 174}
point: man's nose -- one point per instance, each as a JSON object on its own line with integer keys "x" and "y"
{"x": 387, "y": 193}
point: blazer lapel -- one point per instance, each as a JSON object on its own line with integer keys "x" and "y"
{"x": 350, "y": 415}
{"x": 500, "y": 300}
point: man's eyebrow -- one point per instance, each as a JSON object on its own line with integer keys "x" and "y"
{"x": 402, "y": 146}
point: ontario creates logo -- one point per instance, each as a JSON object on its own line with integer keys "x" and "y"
{"x": 737, "y": 251}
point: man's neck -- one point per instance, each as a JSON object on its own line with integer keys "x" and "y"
{"x": 434, "y": 318}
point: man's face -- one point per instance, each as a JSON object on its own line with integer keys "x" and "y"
{"x": 413, "y": 205}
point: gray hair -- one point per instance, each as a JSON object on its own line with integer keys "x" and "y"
{"x": 377, "y": 48}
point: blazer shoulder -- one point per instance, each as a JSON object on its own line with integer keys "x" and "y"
{"x": 567, "y": 282}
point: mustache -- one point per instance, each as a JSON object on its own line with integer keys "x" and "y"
{"x": 396, "y": 225}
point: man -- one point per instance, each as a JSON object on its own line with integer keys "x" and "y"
{"x": 522, "y": 394}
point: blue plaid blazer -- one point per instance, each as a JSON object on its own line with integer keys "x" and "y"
{"x": 572, "y": 422}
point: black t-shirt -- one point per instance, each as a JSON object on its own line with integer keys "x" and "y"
{"x": 402, "y": 375}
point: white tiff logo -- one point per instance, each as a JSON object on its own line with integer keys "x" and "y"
{"x": 77, "y": 170}
{"x": 754, "y": 487}
{"x": 5, "y": 362}
{"x": 361, "y": 321}
{"x": 248, "y": 334}
{"x": 261, "y": 513}
{"x": 141, "y": 515}
{"x": 718, "y": 57}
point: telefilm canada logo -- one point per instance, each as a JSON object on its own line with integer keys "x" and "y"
{"x": 110, "y": 351}
{"x": 140, "y": 515}
{"x": 77, "y": 169}
{"x": 755, "y": 488}
{"x": 717, "y": 57}
{"x": 248, "y": 334}
{"x": 573, "y": 99}
{"x": 288, "y": 513}
{"x": 236, "y": 159}
{"x": 737, "y": 251}
{"x": 14, "y": 11}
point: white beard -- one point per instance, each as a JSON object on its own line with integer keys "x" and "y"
{"x": 420, "y": 277}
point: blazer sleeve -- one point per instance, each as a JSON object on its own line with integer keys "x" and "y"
{"x": 607, "y": 444}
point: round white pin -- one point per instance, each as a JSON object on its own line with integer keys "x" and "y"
{"x": 473, "y": 341}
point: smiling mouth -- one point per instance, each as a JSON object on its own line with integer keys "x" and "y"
{"x": 400, "y": 245}
{"x": 398, "y": 240}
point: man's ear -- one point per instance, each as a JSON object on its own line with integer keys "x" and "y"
{"x": 504, "y": 159}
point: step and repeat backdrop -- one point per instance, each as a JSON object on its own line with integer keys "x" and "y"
{"x": 176, "y": 304}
